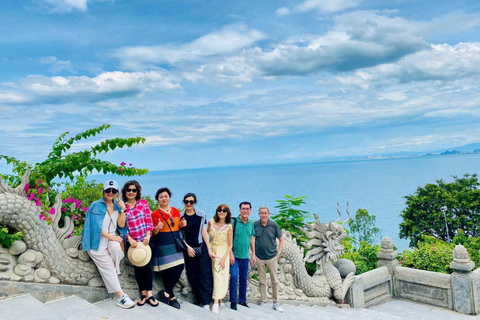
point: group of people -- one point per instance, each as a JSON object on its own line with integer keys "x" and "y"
{"x": 215, "y": 253}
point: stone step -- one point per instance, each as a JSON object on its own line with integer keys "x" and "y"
{"x": 229, "y": 314}
{"x": 417, "y": 311}
{"x": 268, "y": 309}
{"x": 255, "y": 314}
{"x": 26, "y": 307}
{"x": 361, "y": 314}
{"x": 198, "y": 311}
{"x": 110, "y": 307}
{"x": 304, "y": 312}
{"x": 75, "y": 308}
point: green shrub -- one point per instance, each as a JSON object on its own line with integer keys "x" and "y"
{"x": 431, "y": 254}
{"x": 291, "y": 218}
{"x": 362, "y": 227}
{"x": 472, "y": 245}
{"x": 77, "y": 197}
{"x": 364, "y": 257}
{"x": 7, "y": 238}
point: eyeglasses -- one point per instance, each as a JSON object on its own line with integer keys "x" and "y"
{"x": 222, "y": 210}
{"x": 132, "y": 190}
{"x": 111, "y": 190}
{"x": 189, "y": 201}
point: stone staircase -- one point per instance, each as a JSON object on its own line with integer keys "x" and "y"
{"x": 75, "y": 308}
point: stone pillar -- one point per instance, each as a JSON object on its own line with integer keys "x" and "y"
{"x": 387, "y": 256}
{"x": 355, "y": 295}
{"x": 464, "y": 289}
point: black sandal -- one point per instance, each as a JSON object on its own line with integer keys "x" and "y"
{"x": 174, "y": 303}
{"x": 151, "y": 300}
{"x": 162, "y": 297}
{"x": 142, "y": 297}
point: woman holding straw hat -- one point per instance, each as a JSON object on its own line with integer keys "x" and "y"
{"x": 139, "y": 226}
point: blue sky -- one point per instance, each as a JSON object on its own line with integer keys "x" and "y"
{"x": 219, "y": 83}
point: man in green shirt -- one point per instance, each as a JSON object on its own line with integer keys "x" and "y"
{"x": 243, "y": 241}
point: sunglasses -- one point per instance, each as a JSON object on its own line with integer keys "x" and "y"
{"x": 111, "y": 190}
{"x": 188, "y": 201}
{"x": 222, "y": 210}
{"x": 172, "y": 222}
{"x": 132, "y": 190}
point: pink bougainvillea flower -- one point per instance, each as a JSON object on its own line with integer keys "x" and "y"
{"x": 40, "y": 190}
{"x": 40, "y": 182}
{"x": 31, "y": 196}
{"x": 63, "y": 210}
{"x": 121, "y": 169}
{"x": 123, "y": 163}
{"x": 52, "y": 211}
{"x": 41, "y": 216}
{"x": 84, "y": 209}
{"x": 27, "y": 186}
{"x": 130, "y": 164}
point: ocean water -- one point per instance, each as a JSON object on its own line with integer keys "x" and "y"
{"x": 376, "y": 185}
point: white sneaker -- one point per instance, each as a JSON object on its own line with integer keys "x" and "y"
{"x": 206, "y": 307}
{"x": 277, "y": 307}
{"x": 125, "y": 302}
{"x": 216, "y": 308}
{"x": 262, "y": 304}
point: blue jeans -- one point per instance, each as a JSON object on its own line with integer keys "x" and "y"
{"x": 239, "y": 270}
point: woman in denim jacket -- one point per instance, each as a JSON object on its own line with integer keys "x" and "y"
{"x": 102, "y": 239}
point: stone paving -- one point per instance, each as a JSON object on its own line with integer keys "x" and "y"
{"x": 27, "y": 307}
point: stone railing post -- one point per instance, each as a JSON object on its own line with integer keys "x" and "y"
{"x": 387, "y": 256}
{"x": 465, "y": 294}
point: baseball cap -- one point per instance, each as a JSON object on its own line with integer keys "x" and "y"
{"x": 110, "y": 184}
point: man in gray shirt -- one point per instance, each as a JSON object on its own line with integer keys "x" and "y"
{"x": 266, "y": 234}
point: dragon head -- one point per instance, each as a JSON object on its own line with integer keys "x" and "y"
{"x": 325, "y": 240}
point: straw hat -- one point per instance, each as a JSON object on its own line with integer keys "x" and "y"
{"x": 140, "y": 255}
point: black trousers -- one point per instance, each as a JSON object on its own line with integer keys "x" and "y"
{"x": 199, "y": 274}
{"x": 170, "y": 278}
{"x": 144, "y": 275}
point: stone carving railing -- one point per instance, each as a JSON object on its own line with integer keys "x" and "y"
{"x": 459, "y": 291}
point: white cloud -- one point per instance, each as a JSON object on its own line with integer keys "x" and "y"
{"x": 12, "y": 97}
{"x": 103, "y": 86}
{"x": 392, "y": 96}
{"x": 442, "y": 62}
{"x": 327, "y": 6}
{"x": 65, "y": 6}
{"x": 57, "y": 66}
{"x": 225, "y": 41}
{"x": 283, "y": 11}
{"x": 357, "y": 40}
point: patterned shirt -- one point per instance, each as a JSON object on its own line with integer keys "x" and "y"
{"x": 139, "y": 220}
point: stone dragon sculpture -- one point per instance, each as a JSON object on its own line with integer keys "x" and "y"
{"x": 48, "y": 255}
{"x": 326, "y": 241}
{"x": 48, "y": 243}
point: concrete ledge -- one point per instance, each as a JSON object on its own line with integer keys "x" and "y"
{"x": 52, "y": 292}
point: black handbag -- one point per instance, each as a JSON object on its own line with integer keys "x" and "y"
{"x": 181, "y": 246}
{"x": 198, "y": 251}
{"x": 179, "y": 243}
